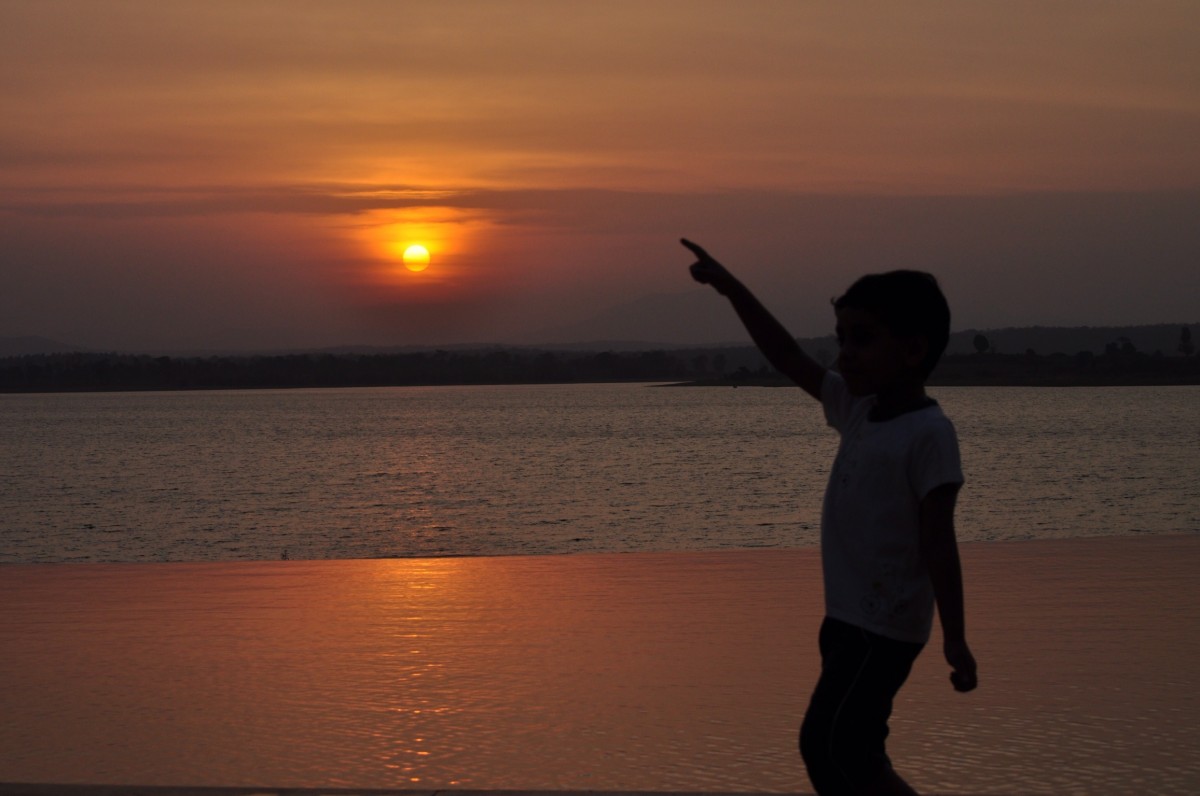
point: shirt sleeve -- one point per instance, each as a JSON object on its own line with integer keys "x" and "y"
{"x": 836, "y": 400}
{"x": 935, "y": 459}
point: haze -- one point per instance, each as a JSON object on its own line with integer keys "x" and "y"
{"x": 197, "y": 175}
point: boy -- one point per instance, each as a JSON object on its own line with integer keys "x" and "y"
{"x": 888, "y": 550}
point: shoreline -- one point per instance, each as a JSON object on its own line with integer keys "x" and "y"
{"x": 86, "y": 373}
{"x": 813, "y": 549}
{"x": 1187, "y": 380}
{"x": 34, "y": 789}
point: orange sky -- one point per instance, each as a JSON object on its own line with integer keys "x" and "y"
{"x": 198, "y": 174}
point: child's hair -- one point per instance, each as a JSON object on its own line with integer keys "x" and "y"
{"x": 908, "y": 303}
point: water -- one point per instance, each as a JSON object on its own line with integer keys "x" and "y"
{"x": 416, "y": 472}
{"x": 682, "y": 671}
{"x": 686, "y": 669}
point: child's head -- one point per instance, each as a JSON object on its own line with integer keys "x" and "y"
{"x": 907, "y": 304}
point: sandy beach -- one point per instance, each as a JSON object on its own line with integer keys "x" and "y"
{"x": 644, "y": 672}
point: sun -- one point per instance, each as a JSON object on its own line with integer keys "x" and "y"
{"x": 416, "y": 257}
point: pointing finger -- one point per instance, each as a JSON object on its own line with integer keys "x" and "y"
{"x": 694, "y": 249}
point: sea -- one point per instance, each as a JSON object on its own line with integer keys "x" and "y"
{"x": 548, "y": 469}
{"x": 583, "y": 587}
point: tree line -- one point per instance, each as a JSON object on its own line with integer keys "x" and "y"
{"x": 91, "y": 371}
{"x": 1120, "y": 363}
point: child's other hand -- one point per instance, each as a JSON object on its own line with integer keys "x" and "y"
{"x": 708, "y": 271}
{"x": 959, "y": 656}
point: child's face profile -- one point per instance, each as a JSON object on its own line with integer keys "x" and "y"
{"x": 872, "y": 358}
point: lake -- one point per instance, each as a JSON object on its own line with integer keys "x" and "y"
{"x": 410, "y": 642}
{"x": 547, "y": 469}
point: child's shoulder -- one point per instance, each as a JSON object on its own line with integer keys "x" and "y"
{"x": 927, "y": 421}
{"x": 842, "y": 409}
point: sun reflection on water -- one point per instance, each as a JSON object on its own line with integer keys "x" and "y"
{"x": 678, "y": 671}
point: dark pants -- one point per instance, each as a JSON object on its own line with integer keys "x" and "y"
{"x": 843, "y": 736}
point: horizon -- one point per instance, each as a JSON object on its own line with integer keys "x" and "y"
{"x": 306, "y": 175}
{"x": 36, "y": 345}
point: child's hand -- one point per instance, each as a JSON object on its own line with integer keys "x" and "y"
{"x": 708, "y": 271}
{"x": 959, "y": 656}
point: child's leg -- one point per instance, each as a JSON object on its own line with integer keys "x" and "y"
{"x": 843, "y": 736}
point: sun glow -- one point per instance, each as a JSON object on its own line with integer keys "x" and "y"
{"x": 418, "y": 250}
{"x": 416, "y": 239}
{"x": 416, "y": 257}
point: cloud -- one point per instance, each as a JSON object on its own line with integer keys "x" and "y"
{"x": 251, "y": 164}
{"x": 868, "y": 98}
{"x": 544, "y": 258}
{"x": 161, "y": 202}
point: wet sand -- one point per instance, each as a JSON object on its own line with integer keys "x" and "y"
{"x": 633, "y": 672}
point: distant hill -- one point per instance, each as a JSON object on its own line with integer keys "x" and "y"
{"x": 726, "y": 366}
{"x": 701, "y": 318}
{"x": 642, "y": 319}
{"x": 1163, "y": 337}
{"x": 1150, "y": 339}
{"x": 25, "y": 346}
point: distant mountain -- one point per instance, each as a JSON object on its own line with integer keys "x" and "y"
{"x": 702, "y": 318}
{"x": 1147, "y": 339}
{"x": 24, "y": 346}
{"x": 1164, "y": 337}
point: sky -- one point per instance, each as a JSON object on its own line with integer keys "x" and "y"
{"x": 210, "y": 174}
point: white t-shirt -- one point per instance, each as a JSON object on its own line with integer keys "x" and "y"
{"x": 875, "y": 577}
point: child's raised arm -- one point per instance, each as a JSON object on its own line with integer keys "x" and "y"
{"x": 776, "y": 344}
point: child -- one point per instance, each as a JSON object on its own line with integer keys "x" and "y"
{"x": 888, "y": 550}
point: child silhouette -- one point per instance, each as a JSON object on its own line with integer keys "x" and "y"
{"x": 888, "y": 549}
